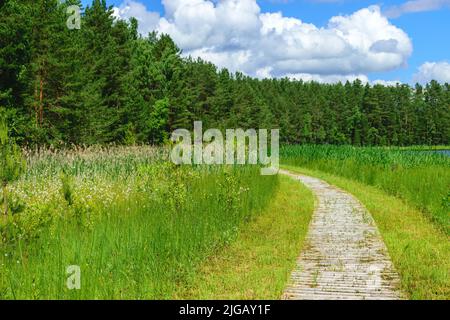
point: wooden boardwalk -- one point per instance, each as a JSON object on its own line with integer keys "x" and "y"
{"x": 344, "y": 256}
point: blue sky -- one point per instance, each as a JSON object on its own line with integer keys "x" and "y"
{"x": 425, "y": 24}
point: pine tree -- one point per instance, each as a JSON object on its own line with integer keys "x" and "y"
{"x": 106, "y": 83}
{"x": 15, "y": 73}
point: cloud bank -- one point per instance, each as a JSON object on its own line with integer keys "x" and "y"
{"x": 235, "y": 34}
{"x": 439, "y": 71}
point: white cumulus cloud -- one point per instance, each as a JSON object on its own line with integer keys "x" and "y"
{"x": 235, "y": 34}
{"x": 439, "y": 71}
{"x": 148, "y": 20}
{"x": 387, "y": 83}
{"x": 332, "y": 78}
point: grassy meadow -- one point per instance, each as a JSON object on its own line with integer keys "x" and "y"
{"x": 136, "y": 225}
{"x": 420, "y": 178}
{"x": 140, "y": 227}
{"x": 259, "y": 263}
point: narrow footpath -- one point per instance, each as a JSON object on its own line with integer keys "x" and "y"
{"x": 344, "y": 256}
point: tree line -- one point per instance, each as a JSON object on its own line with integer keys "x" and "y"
{"x": 105, "y": 83}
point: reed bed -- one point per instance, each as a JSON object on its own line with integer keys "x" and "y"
{"x": 135, "y": 224}
{"x": 421, "y": 178}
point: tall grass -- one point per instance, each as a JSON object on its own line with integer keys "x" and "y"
{"x": 136, "y": 225}
{"x": 420, "y": 178}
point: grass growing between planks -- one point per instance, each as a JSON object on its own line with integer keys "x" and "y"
{"x": 258, "y": 264}
{"x": 419, "y": 250}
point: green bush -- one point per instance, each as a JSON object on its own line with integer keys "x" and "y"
{"x": 12, "y": 163}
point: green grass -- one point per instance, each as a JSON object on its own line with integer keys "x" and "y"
{"x": 258, "y": 264}
{"x": 422, "y": 148}
{"x": 420, "y": 251}
{"x": 420, "y": 178}
{"x": 137, "y": 226}
{"x": 142, "y": 228}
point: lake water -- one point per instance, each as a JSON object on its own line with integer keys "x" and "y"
{"x": 445, "y": 152}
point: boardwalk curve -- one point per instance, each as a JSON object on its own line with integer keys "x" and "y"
{"x": 344, "y": 257}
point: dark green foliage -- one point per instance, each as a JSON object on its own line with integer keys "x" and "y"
{"x": 67, "y": 187}
{"x": 105, "y": 83}
{"x": 12, "y": 163}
